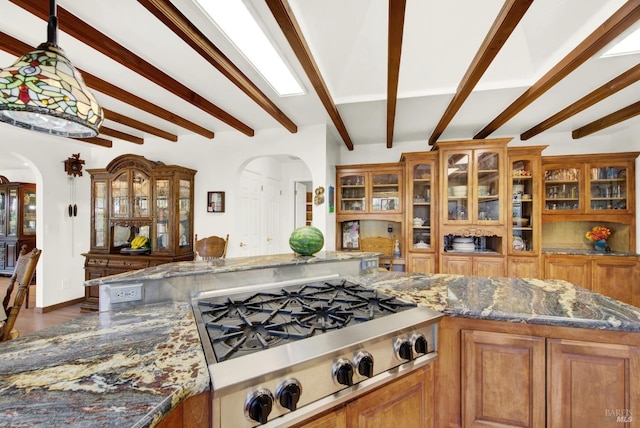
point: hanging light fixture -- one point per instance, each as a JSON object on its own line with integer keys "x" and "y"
{"x": 43, "y": 92}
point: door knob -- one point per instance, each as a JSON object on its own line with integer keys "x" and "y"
{"x": 242, "y": 244}
{"x": 269, "y": 239}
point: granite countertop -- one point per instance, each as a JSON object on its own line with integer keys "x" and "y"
{"x": 532, "y": 301}
{"x": 587, "y": 252}
{"x": 202, "y": 267}
{"x": 111, "y": 369}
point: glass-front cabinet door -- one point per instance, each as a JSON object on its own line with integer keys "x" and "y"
{"x": 141, "y": 192}
{"x": 607, "y": 188}
{"x": 3, "y": 212}
{"x": 13, "y": 212}
{"x": 352, "y": 192}
{"x": 29, "y": 212}
{"x": 421, "y": 218}
{"x": 523, "y": 203}
{"x": 120, "y": 196}
{"x": 457, "y": 184}
{"x": 488, "y": 187}
{"x": 562, "y": 189}
{"x": 163, "y": 215}
{"x": 100, "y": 215}
{"x": 184, "y": 231}
{"x": 385, "y": 192}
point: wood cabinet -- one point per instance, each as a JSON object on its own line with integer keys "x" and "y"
{"x": 370, "y": 189}
{"x": 503, "y": 382}
{"x": 617, "y": 277}
{"x": 407, "y": 402}
{"x": 523, "y": 267}
{"x": 17, "y": 221}
{"x": 134, "y": 196}
{"x": 421, "y": 219}
{"x": 501, "y": 374}
{"x": 489, "y": 265}
{"x": 194, "y": 412}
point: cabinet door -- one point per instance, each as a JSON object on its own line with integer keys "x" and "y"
{"x": 574, "y": 269}
{"x": 563, "y": 189}
{"x": 352, "y": 195}
{"x": 457, "y": 265}
{"x": 488, "y": 208}
{"x": 489, "y": 266}
{"x": 525, "y": 214}
{"x": 100, "y": 229}
{"x": 457, "y": 183}
{"x": 592, "y": 384}
{"x": 421, "y": 216}
{"x": 386, "y": 191}
{"x": 609, "y": 188}
{"x": 617, "y": 277}
{"x": 503, "y": 382}
{"x": 523, "y": 267}
{"x": 3, "y": 213}
{"x": 421, "y": 263}
{"x": 334, "y": 419}
{"x": 406, "y": 402}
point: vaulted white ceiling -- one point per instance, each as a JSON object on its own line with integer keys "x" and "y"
{"x": 348, "y": 42}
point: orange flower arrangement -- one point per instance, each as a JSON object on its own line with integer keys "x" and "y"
{"x": 597, "y": 233}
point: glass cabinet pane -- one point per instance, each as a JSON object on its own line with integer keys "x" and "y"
{"x": 522, "y": 205}
{"x": 352, "y": 197}
{"x": 385, "y": 192}
{"x": 162, "y": 214}
{"x": 562, "y": 189}
{"x": 608, "y": 188}
{"x": 457, "y": 186}
{"x": 421, "y": 206}
{"x": 185, "y": 212}
{"x": 3, "y": 213}
{"x": 120, "y": 196}
{"x": 140, "y": 194}
{"x": 13, "y": 212}
{"x": 488, "y": 179}
{"x": 100, "y": 214}
{"x": 29, "y": 213}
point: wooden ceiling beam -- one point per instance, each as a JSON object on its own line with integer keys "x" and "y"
{"x": 607, "y": 121}
{"x": 121, "y": 135}
{"x": 97, "y": 141}
{"x": 79, "y": 29}
{"x": 611, "y": 87}
{"x": 132, "y": 123}
{"x": 18, "y": 48}
{"x": 170, "y": 16}
{"x": 617, "y": 23}
{"x": 288, "y": 24}
{"x": 396, "y": 30}
{"x": 510, "y": 15}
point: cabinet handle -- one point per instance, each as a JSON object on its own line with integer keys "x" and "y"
{"x": 242, "y": 244}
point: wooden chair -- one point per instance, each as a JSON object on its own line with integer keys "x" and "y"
{"x": 378, "y": 244}
{"x": 25, "y": 269}
{"x": 211, "y": 247}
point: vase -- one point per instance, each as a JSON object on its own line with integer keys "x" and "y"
{"x": 600, "y": 244}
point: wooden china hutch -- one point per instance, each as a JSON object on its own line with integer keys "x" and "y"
{"x": 134, "y": 196}
{"x": 17, "y": 221}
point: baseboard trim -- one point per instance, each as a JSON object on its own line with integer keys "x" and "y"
{"x": 46, "y": 309}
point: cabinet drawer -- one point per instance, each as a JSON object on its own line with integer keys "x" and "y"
{"x": 97, "y": 262}
{"x": 129, "y": 264}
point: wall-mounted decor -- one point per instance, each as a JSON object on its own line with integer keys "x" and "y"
{"x": 332, "y": 199}
{"x": 73, "y": 165}
{"x": 215, "y": 202}
{"x": 351, "y": 235}
{"x": 318, "y": 199}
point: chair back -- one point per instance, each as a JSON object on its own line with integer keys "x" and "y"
{"x": 25, "y": 269}
{"x": 379, "y": 244}
{"x": 211, "y": 247}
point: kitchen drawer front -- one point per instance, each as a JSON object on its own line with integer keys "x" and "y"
{"x": 128, "y": 264}
{"x": 97, "y": 262}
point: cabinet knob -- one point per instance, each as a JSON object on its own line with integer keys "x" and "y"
{"x": 242, "y": 244}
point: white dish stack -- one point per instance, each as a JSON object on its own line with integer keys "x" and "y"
{"x": 463, "y": 244}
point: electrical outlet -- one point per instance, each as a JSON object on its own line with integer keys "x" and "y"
{"x": 128, "y": 293}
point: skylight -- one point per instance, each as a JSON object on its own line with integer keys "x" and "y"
{"x": 238, "y": 24}
{"x": 627, "y": 46}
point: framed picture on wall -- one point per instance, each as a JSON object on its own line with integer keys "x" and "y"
{"x": 215, "y": 202}
{"x": 351, "y": 235}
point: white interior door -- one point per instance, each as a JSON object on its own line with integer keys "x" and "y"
{"x": 250, "y": 214}
{"x": 300, "y": 210}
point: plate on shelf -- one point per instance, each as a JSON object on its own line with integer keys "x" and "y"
{"x": 137, "y": 251}
{"x": 518, "y": 243}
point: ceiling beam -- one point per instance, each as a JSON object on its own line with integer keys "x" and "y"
{"x": 611, "y": 87}
{"x": 18, "y": 48}
{"x": 79, "y": 29}
{"x": 288, "y": 24}
{"x": 396, "y": 29}
{"x": 620, "y": 21}
{"x": 97, "y": 141}
{"x": 510, "y": 15}
{"x": 144, "y": 127}
{"x": 121, "y": 135}
{"x": 607, "y": 121}
{"x": 166, "y": 12}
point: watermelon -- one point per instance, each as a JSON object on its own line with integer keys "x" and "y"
{"x": 306, "y": 240}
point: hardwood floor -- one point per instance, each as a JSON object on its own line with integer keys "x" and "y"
{"x": 29, "y": 320}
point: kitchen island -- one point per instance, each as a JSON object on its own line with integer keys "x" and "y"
{"x": 132, "y": 366}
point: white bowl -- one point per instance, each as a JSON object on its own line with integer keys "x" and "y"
{"x": 518, "y": 188}
{"x": 459, "y": 191}
{"x": 483, "y": 190}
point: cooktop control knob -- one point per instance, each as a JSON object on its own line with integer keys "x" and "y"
{"x": 419, "y": 343}
{"x": 404, "y": 349}
{"x": 343, "y": 372}
{"x": 364, "y": 362}
{"x": 288, "y": 393}
{"x": 258, "y": 405}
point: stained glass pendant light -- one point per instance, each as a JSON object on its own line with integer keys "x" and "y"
{"x": 43, "y": 92}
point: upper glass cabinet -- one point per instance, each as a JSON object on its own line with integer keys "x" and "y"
{"x": 369, "y": 189}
